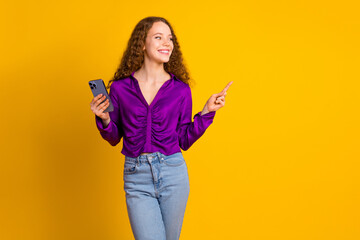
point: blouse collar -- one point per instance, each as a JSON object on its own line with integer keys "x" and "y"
{"x": 172, "y": 76}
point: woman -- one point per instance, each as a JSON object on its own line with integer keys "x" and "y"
{"x": 152, "y": 111}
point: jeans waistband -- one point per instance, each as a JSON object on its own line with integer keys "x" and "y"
{"x": 146, "y": 157}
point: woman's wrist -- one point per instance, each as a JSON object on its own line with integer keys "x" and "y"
{"x": 204, "y": 111}
{"x": 106, "y": 122}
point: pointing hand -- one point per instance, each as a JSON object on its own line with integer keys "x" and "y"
{"x": 216, "y": 101}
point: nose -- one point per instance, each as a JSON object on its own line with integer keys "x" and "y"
{"x": 167, "y": 42}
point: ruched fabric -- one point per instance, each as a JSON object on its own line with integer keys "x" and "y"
{"x": 163, "y": 126}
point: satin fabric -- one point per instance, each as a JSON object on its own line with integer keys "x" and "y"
{"x": 164, "y": 126}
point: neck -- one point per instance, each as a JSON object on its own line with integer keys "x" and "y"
{"x": 152, "y": 72}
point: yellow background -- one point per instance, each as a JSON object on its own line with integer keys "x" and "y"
{"x": 280, "y": 161}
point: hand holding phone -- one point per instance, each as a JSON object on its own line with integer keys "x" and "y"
{"x": 101, "y": 104}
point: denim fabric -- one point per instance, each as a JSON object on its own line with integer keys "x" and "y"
{"x": 157, "y": 189}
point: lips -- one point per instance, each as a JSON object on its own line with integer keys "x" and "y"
{"x": 164, "y": 51}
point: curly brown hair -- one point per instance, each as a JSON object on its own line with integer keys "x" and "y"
{"x": 133, "y": 57}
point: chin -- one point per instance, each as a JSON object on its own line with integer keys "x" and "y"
{"x": 163, "y": 61}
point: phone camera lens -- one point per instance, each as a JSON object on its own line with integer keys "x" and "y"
{"x": 92, "y": 85}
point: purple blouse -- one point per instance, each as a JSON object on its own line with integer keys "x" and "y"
{"x": 164, "y": 126}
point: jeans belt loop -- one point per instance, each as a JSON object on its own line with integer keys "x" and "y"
{"x": 159, "y": 156}
{"x": 138, "y": 160}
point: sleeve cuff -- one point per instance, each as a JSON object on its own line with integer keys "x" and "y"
{"x": 209, "y": 115}
{"x": 100, "y": 126}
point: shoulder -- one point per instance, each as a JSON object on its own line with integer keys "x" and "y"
{"x": 118, "y": 84}
{"x": 117, "y": 87}
{"x": 182, "y": 87}
{"x": 183, "y": 90}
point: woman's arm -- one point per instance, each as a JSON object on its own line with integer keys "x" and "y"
{"x": 110, "y": 129}
{"x": 188, "y": 131}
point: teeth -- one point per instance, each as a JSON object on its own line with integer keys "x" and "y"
{"x": 164, "y": 51}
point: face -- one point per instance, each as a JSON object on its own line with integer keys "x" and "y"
{"x": 158, "y": 38}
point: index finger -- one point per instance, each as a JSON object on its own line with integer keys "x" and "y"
{"x": 97, "y": 97}
{"x": 227, "y": 87}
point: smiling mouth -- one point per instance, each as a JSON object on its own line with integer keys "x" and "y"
{"x": 164, "y": 52}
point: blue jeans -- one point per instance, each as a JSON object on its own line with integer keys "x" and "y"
{"x": 157, "y": 189}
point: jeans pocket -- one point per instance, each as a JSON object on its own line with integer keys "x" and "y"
{"x": 174, "y": 160}
{"x": 129, "y": 167}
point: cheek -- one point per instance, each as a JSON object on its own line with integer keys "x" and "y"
{"x": 154, "y": 47}
{"x": 151, "y": 45}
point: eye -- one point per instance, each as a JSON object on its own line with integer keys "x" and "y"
{"x": 160, "y": 37}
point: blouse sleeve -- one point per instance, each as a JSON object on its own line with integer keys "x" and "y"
{"x": 188, "y": 131}
{"x": 113, "y": 132}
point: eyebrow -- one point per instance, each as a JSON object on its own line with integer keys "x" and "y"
{"x": 161, "y": 34}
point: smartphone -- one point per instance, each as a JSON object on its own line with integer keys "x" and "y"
{"x": 97, "y": 86}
